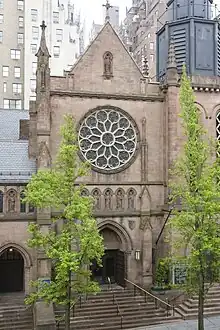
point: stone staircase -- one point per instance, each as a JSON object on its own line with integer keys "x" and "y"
{"x": 100, "y": 312}
{"x": 189, "y": 308}
{"x": 14, "y": 314}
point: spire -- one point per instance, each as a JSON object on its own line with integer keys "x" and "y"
{"x": 43, "y": 50}
{"x": 107, "y": 6}
{"x": 171, "y": 59}
{"x": 145, "y": 66}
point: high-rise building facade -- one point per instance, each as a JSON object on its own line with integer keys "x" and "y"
{"x": 19, "y": 41}
{"x": 139, "y": 29}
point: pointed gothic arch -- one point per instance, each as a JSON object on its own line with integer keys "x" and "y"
{"x": 124, "y": 236}
{"x": 16, "y": 263}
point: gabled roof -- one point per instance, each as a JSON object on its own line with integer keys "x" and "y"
{"x": 106, "y": 26}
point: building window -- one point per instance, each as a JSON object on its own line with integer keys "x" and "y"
{"x": 5, "y": 71}
{"x": 34, "y": 68}
{"x": 1, "y": 18}
{"x": 35, "y": 32}
{"x": 151, "y": 45}
{"x": 56, "y": 51}
{"x": 1, "y": 4}
{"x": 56, "y": 17}
{"x": 31, "y": 208}
{"x": 152, "y": 57}
{"x": 4, "y": 87}
{"x": 20, "y": 38}
{"x": 33, "y": 48}
{"x": 17, "y": 88}
{"x": 20, "y": 5}
{"x": 1, "y": 36}
{"x": 22, "y": 203}
{"x": 59, "y": 35}
{"x": 1, "y": 201}
{"x": 12, "y": 104}
{"x": 17, "y": 72}
{"x": 34, "y": 15}
{"x": 21, "y": 21}
{"x": 15, "y": 54}
{"x": 33, "y": 85}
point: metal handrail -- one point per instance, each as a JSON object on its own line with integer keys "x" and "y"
{"x": 115, "y": 302}
{"x": 155, "y": 298}
{"x": 73, "y": 310}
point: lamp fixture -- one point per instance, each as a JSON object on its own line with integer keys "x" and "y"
{"x": 137, "y": 255}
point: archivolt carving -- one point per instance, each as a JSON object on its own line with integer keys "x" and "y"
{"x": 201, "y": 108}
{"x": 120, "y": 231}
{"x": 215, "y": 110}
{"x": 19, "y": 248}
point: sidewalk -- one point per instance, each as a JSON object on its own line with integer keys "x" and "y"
{"x": 211, "y": 323}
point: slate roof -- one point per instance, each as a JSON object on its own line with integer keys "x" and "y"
{"x": 15, "y": 165}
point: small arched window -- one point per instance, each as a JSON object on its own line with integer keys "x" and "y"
{"x": 1, "y": 201}
{"x": 218, "y": 128}
{"x": 22, "y": 203}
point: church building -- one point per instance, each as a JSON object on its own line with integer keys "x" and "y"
{"x": 128, "y": 129}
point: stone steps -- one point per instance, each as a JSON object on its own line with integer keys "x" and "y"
{"x": 15, "y": 315}
{"x": 189, "y": 308}
{"x": 99, "y": 312}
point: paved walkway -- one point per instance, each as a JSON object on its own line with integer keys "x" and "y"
{"x": 211, "y": 323}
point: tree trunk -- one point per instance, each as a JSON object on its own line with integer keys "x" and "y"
{"x": 67, "y": 312}
{"x": 201, "y": 302}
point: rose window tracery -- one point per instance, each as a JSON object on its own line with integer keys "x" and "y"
{"x": 107, "y": 139}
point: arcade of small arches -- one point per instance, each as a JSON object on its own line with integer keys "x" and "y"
{"x": 109, "y": 200}
{"x": 12, "y": 202}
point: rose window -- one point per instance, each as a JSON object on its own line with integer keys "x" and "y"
{"x": 107, "y": 139}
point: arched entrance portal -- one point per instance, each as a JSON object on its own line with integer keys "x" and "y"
{"x": 11, "y": 271}
{"x": 113, "y": 261}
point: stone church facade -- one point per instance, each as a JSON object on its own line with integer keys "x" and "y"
{"x": 128, "y": 129}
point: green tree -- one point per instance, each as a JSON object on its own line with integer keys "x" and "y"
{"x": 195, "y": 182}
{"x": 72, "y": 248}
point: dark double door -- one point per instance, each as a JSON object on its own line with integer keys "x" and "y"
{"x": 113, "y": 267}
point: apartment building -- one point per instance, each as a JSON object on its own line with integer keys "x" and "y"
{"x": 139, "y": 29}
{"x": 19, "y": 41}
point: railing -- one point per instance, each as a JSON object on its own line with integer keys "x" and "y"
{"x": 157, "y": 301}
{"x": 115, "y": 302}
{"x": 58, "y": 321}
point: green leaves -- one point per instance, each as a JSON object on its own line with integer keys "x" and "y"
{"x": 195, "y": 181}
{"x": 72, "y": 242}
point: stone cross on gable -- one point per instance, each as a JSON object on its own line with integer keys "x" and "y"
{"x": 43, "y": 26}
{"x": 107, "y": 6}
